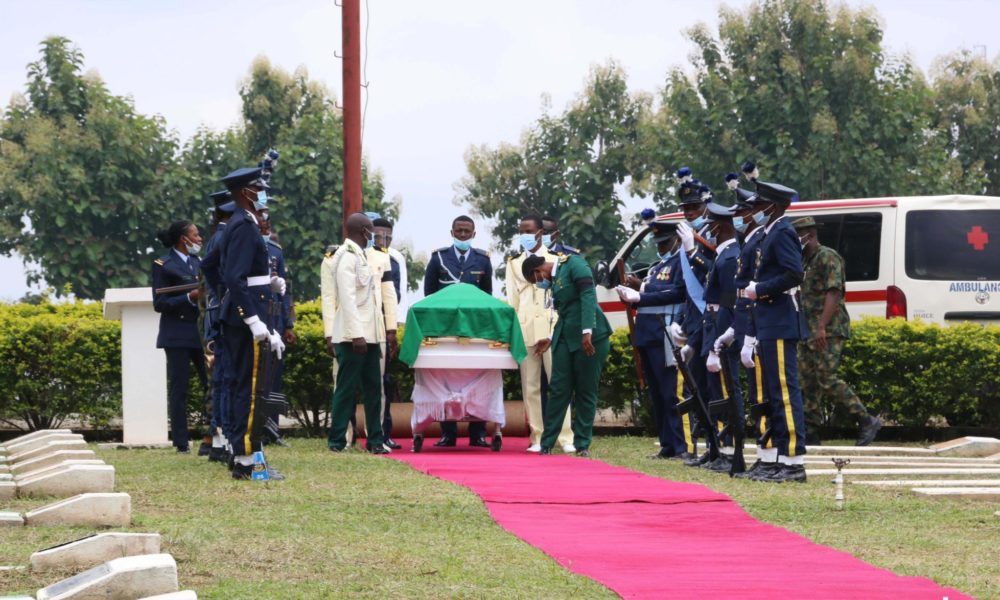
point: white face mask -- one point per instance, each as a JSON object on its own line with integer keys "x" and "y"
{"x": 192, "y": 249}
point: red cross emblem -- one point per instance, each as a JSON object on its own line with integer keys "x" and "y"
{"x": 977, "y": 238}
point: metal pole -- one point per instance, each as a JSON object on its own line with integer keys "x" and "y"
{"x": 351, "y": 17}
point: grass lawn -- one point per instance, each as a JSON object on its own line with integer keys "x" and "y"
{"x": 356, "y": 526}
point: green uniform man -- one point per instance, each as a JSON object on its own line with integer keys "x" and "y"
{"x": 829, "y": 327}
{"x": 580, "y": 344}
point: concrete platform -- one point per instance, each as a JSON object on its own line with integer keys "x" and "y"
{"x": 95, "y": 550}
{"x": 988, "y": 493}
{"x": 92, "y": 510}
{"x": 69, "y": 481}
{"x": 927, "y": 482}
{"x": 848, "y": 470}
{"x": 185, "y": 595}
{"x": 923, "y": 459}
{"x": 57, "y": 457}
{"x": 55, "y": 467}
{"x": 968, "y": 446}
{"x": 851, "y": 451}
{"x": 11, "y": 519}
{"x": 20, "y": 447}
{"x": 46, "y": 449}
{"x": 120, "y": 579}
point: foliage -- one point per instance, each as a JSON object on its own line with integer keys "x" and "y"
{"x": 567, "y": 165}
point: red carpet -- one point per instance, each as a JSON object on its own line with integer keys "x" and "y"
{"x": 645, "y": 537}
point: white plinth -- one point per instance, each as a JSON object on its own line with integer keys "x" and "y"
{"x": 144, "y": 366}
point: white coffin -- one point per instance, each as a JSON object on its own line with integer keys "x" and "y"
{"x": 463, "y": 353}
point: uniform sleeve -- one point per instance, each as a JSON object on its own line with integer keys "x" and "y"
{"x": 387, "y": 287}
{"x": 327, "y": 285}
{"x": 788, "y": 255}
{"x": 169, "y": 304}
{"x": 701, "y": 263}
{"x": 486, "y": 283}
{"x": 239, "y": 259}
{"x": 286, "y": 299}
{"x": 583, "y": 279}
{"x": 404, "y": 292}
{"x": 347, "y": 296}
{"x": 431, "y": 278}
{"x": 833, "y": 273}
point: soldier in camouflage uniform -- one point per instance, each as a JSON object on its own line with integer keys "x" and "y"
{"x": 829, "y": 327}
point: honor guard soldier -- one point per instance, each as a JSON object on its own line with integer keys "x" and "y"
{"x": 390, "y": 392}
{"x": 381, "y": 264}
{"x": 537, "y": 320}
{"x": 551, "y": 238}
{"x": 280, "y": 318}
{"x": 779, "y": 324}
{"x": 214, "y": 292}
{"x": 249, "y": 283}
{"x": 178, "y": 334}
{"x": 660, "y": 301}
{"x": 460, "y": 263}
{"x": 829, "y": 327}
{"x": 580, "y": 344}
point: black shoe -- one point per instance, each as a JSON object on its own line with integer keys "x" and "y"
{"x": 418, "y": 443}
{"x": 869, "y": 429}
{"x": 661, "y": 455}
{"x": 765, "y": 471}
{"x": 696, "y": 462}
{"x": 497, "y": 442}
{"x": 380, "y": 449}
{"x": 478, "y": 443}
{"x": 183, "y": 450}
{"x": 392, "y": 445}
{"x": 723, "y": 464}
{"x": 446, "y": 441}
{"x": 216, "y": 454}
{"x": 242, "y": 471}
{"x": 684, "y": 456}
{"x": 204, "y": 449}
{"x": 335, "y": 449}
{"x": 583, "y": 453}
{"x": 749, "y": 472}
{"x": 788, "y": 473}
{"x": 546, "y": 451}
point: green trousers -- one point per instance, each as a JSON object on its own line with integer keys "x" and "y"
{"x": 356, "y": 371}
{"x": 822, "y": 387}
{"x": 574, "y": 374}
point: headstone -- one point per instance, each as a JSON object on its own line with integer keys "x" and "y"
{"x": 95, "y": 550}
{"x": 4, "y": 468}
{"x": 51, "y": 459}
{"x": 968, "y": 446}
{"x": 8, "y": 489}
{"x": 92, "y": 510}
{"x": 849, "y": 470}
{"x": 119, "y": 579}
{"x": 35, "y": 434}
{"x": 50, "y": 468}
{"x": 46, "y": 449}
{"x": 20, "y": 447}
{"x": 928, "y": 482}
{"x": 185, "y": 595}
{"x": 11, "y": 519}
{"x": 959, "y": 492}
{"x": 69, "y": 481}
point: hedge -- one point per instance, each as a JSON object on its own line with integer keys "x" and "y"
{"x": 62, "y": 359}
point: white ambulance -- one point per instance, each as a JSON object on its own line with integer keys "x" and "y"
{"x": 935, "y": 258}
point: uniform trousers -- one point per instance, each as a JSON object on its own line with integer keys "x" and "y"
{"x": 822, "y": 388}
{"x": 574, "y": 374}
{"x": 390, "y": 393}
{"x": 179, "y": 362}
{"x": 357, "y": 372}
{"x": 661, "y": 382}
{"x": 755, "y": 395}
{"x": 533, "y": 369}
{"x": 246, "y": 414}
{"x": 222, "y": 380}
{"x": 779, "y": 370}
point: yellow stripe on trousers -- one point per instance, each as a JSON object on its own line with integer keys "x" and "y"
{"x": 758, "y": 379}
{"x": 685, "y": 419}
{"x": 786, "y": 398}
{"x": 253, "y": 398}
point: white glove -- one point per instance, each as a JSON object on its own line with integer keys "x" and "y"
{"x": 724, "y": 340}
{"x": 713, "y": 364}
{"x": 257, "y": 328}
{"x": 746, "y": 354}
{"x": 627, "y": 294}
{"x": 278, "y": 285}
{"x": 277, "y": 345}
{"x": 677, "y": 334}
{"x": 686, "y": 234}
{"x": 687, "y": 352}
{"x": 752, "y": 290}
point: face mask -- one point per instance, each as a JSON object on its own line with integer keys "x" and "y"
{"x": 462, "y": 245}
{"x": 739, "y": 224}
{"x": 711, "y": 239}
{"x": 698, "y": 222}
{"x": 192, "y": 248}
{"x": 371, "y": 240}
{"x": 546, "y": 240}
{"x": 528, "y": 241}
{"x": 261, "y": 202}
{"x": 760, "y": 218}
{"x": 543, "y": 284}
{"x": 803, "y": 241}
{"x": 265, "y": 237}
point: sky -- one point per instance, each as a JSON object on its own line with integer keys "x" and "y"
{"x": 443, "y": 74}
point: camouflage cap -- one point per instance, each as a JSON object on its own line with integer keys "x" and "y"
{"x": 804, "y": 223}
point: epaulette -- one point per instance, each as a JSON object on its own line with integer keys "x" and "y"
{"x": 158, "y": 261}
{"x": 384, "y": 250}
{"x": 571, "y": 249}
{"x": 512, "y": 254}
{"x": 485, "y": 253}
{"x": 443, "y": 249}
{"x": 275, "y": 244}
{"x": 331, "y": 249}
{"x": 351, "y": 249}
{"x": 563, "y": 258}
{"x": 328, "y": 254}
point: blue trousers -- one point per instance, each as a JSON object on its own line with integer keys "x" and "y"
{"x": 780, "y": 374}
{"x": 719, "y": 387}
{"x": 661, "y": 382}
{"x": 246, "y": 416}
{"x": 179, "y": 361}
{"x": 222, "y": 380}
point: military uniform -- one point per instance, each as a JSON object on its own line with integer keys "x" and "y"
{"x": 381, "y": 264}
{"x": 743, "y": 326}
{"x": 574, "y": 374}
{"x": 448, "y": 266}
{"x": 537, "y": 321}
{"x": 215, "y": 290}
{"x": 178, "y": 336}
{"x": 561, "y": 248}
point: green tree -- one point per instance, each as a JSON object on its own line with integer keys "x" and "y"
{"x": 80, "y": 177}
{"x": 570, "y": 165}
{"x": 808, "y": 92}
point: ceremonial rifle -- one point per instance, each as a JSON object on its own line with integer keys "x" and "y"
{"x": 736, "y": 422}
{"x": 694, "y": 401}
{"x": 631, "y": 332}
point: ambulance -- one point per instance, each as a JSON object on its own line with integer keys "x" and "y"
{"x": 933, "y": 258}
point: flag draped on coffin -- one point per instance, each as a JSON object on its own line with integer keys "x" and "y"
{"x": 461, "y": 310}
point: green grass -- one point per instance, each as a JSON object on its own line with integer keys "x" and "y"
{"x": 356, "y": 526}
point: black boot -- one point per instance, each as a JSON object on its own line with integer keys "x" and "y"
{"x": 869, "y": 429}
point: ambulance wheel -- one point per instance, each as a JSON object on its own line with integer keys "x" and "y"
{"x": 418, "y": 443}
{"x": 497, "y": 443}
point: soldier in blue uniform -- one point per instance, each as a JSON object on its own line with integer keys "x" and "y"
{"x": 551, "y": 237}
{"x": 659, "y": 301}
{"x": 221, "y": 379}
{"x": 244, "y": 268}
{"x": 460, "y": 263}
{"x": 178, "y": 335}
{"x": 281, "y": 318}
{"x": 779, "y": 324}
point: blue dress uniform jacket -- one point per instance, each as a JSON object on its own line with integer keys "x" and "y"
{"x": 745, "y": 265}
{"x": 720, "y": 289}
{"x": 444, "y": 269}
{"x": 214, "y": 288}
{"x": 276, "y": 262}
{"x": 244, "y": 254}
{"x": 779, "y": 271}
{"x": 664, "y": 287}
{"x": 178, "y": 315}
{"x": 701, "y": 263}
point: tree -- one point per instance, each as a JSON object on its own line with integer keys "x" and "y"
{"x": 568, "y": 165}
{"x": 80, "y": 177}
{"x": 807, "y": 92}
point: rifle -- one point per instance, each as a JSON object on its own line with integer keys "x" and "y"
{"x": 173, "y": 289}
{"x": 631, "y": 332}
{"x": 736, "y": 421}
{"x": 694, "y": 401}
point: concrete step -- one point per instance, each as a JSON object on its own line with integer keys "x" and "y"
{"x": 873, "y": 462}
{"x": 927, "y": 482}
{"x": 848, "y": 470}
{"x": 959, "y": 492}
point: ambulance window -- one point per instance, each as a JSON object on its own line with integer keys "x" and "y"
{"x": 953, "y": 245}
{"x": 856, "y": 237}
{"x": 641, "y": 256}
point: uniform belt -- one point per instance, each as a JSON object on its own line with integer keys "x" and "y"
{"x": 712, "y": 307}
{"x": 654, "y": 310}
{"x": 742, "y": 293}
{"x": 258, "y": 280}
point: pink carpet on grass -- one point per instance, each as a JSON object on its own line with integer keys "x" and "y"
{"x": 646, "y": 537}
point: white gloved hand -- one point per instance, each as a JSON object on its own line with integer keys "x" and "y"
{"x": 278, "y": 285}
{"x": 627, "y": 294}
{"x": 277, "y": 344}
{"x": 713, "y": 364}
{"x": 746, "y": 354}
{"x": 724, "y": 340}
{"x": 752, "y": 290}
{"x": 257, "y": 328}
{"x": 677, "y": 334}
{"x": 687, "y": 353}
{"x": 686, "y": 234}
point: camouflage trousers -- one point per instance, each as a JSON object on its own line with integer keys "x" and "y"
{"x": 822, "y": 388}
